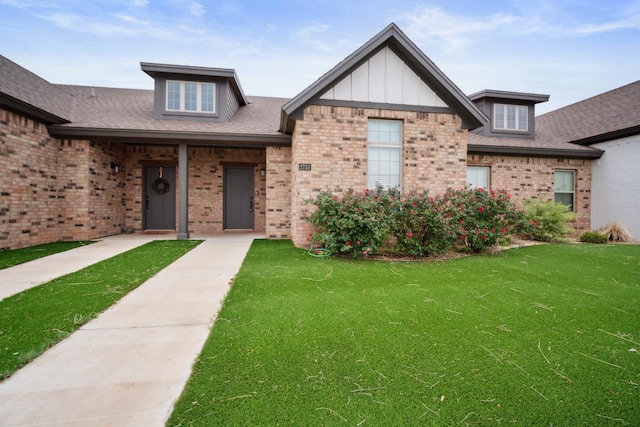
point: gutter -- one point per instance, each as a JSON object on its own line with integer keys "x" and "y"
{"x": 160, "y": 137}
{"x": 535, "y": 152}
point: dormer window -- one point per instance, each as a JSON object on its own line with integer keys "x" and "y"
{"x": 511, "y": 117}
{"x": 195, "y": 97}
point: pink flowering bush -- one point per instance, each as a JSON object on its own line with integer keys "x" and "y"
{"x": 356, "y": 224}
{"x": 423, "y": 225}
{"x": 484, "y": 217}
{"x": 359, "y": 224}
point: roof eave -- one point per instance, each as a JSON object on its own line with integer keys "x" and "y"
{"x": 30, "y": 110}
{"x": 534, "y": 151}
{"x": 135, "y": 136}
{"x": 153, "y": 69}
{"x": 608, "y": 136}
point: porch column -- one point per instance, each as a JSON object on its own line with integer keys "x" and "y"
{"x": 183, "y": 202}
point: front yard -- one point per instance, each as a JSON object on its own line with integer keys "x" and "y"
{"x": 543, "y": 335}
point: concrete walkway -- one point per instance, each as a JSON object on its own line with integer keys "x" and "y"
{"x": 128, "y": 366}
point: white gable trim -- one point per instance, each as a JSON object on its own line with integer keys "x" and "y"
{"x": 384, "y": 78}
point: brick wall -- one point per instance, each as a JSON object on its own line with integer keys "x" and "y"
{"x": 533, "y": 177}
{"x": 278, "y": 201}
{"x": 29, "y": 183}
{"x": 55, "y": 189}
{"x": 206, "y": 173}
{"x": 334, "y": 141}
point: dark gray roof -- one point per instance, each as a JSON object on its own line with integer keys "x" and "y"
{"x": 121, "y": 114}
{"x": 568, "y": 131}
{"x": 23, "y": 90}
{"x": 534, "y": 98}
{"x": 392, "y": 36}
{"x": 228, "y": 74}
{"x": 610, "y": 115}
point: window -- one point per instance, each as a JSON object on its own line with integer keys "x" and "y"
{"x": 564, "y": 188}
{"x": 385, "y": 147}
{"x": 478, "y": 177}
{"x": 510, "y": 117}
{"x": 191, "y": 97}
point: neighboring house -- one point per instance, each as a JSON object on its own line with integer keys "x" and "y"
{"x": 196, "y": 155}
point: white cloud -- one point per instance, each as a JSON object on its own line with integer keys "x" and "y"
{"x": 310, "y": 35}
{"x": 434, "y": 25}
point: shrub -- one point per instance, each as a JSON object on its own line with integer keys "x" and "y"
{"x": 356, "y": 224}
{"x": 483, "y": 217}
{"x": 616, "y": 232}
{"x": 423, "y": 225}
{"x": 359, "y": 224}
{"x": 593, "y": 237}
{"x": 548, "y": 220}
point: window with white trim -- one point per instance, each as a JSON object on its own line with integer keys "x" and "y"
{"x": 193, "y": 97}
{"x": 564, "y": 187}
{"x": 385, "y": 152}
{"x": 478, "y": 177}
{"x": 511, "y": 117}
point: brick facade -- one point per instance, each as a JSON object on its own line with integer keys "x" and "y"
{"x": 278, "y": 216}
{"x": 56, "y": 189}
{"x": 533, "y": 177}
{"x": 66, "y": 189}
{"x": 333, "y": 140}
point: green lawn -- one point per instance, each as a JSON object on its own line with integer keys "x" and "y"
{"x": 19, "y": 256}
{"x": 34, "y": 320}
{"x": 543, "y": 335}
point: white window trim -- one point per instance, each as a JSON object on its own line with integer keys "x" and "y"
{"x": 472, "y": 185}
{"x": 504, "y": 118}
{"x": 394, "y": 145}
{"x": 573, "y": 190}
{"x": 182, "y": 108}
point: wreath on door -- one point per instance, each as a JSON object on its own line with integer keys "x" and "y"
{"x": 160, "y": 186}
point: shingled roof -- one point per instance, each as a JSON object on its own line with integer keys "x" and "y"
{"x": 125, "y": 114}
{"x": 22, "y": 90}
{"x": 612, "y": 114}
{"x": 568, "y": 131}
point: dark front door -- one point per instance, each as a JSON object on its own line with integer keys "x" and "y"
{"x": 160, "y": 198}
{"x": 238, "y": 198}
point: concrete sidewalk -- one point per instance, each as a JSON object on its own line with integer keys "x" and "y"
{"x": 25, "y": 276}
{"x": 128, "y": 366}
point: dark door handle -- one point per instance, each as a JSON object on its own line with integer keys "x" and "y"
{"x": 147, "y": 203}
{"x": 251, "y": 204}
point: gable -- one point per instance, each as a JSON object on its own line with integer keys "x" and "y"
{"x": 384, "y": 78}
{"x": 386, "y": 72}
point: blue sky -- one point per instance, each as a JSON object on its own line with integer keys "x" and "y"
{"x": 569, "y": 49}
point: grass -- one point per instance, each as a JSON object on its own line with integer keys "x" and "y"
{"x": 543, "y": 335}
{"x": 34, "y": 320}
{"x": 20, "y": 256}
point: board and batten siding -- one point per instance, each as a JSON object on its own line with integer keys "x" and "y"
{"x": 615, "y": 190}
{"x": 384, "y": 78}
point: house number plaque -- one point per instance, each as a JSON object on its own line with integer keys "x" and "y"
{"x": 304, "y": 166}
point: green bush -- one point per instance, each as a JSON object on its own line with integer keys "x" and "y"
{"x": 548, "y": 221}
{"x": 359, "y": 224}
{"x": 356, "y": 224}
{"x": 423, "y": 225}
{"x": 593, "y": 237}
{"x": 484, "y": 217}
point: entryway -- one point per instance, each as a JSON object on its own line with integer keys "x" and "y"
{"x": 160, "y": 198}
{"x": 238, "y": 198}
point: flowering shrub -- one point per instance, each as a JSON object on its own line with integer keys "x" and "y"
{"x": 355, "y": 224}
{"x": 424, "y": 225}
{"x": 484, "y": 217}
{"x": 358, "y": 224}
